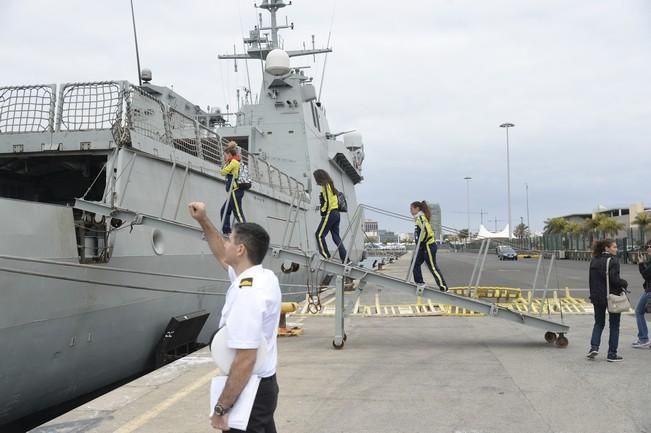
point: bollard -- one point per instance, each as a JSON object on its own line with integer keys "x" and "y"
{"x": 283, "y": 331}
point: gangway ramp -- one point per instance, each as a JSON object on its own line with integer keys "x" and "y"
{"x": 363, "y": 275}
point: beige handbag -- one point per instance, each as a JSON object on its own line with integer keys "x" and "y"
{"x": 616, "y": 303}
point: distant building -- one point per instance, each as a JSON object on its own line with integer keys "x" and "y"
{"x": 371, "y": 230}
{"x": 406, "y": 237}
{"x": 387, "y": 236}
{"x": 436, "y": 221}
{"x": 623, "y": 215}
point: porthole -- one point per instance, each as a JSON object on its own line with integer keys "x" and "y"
{"x": 157, "y": 242}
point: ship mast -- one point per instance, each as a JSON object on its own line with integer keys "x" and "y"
{"x": 259, "y": 44}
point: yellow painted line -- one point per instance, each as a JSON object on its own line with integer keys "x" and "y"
{"x": 138, "y": 422}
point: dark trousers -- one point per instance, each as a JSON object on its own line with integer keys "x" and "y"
{"x": 427, "y": 254}
{"x": 330, "y": 224}
{"x": 234, "y": 207}
{"x": 600, "y": 324}
{"x": 264, "y": 406}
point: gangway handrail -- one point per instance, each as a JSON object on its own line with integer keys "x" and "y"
{"x": 316, "y": 262}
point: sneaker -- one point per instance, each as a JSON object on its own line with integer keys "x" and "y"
{"x": 614, "y": 358}
{"x": 592, "y": 354}
{"x": 642, "y": 345}
{"x": 420, "y": 289}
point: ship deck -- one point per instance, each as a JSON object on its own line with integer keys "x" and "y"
{"x": 419, "y": 374}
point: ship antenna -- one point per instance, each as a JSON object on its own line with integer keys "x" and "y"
{"x": 246, "y": 62}
{"x": 135, "y": 37}
{"x": 325, "y": 60}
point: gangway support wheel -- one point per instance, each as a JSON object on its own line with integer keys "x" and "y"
{"x": 550, "y": 337}
{"x": 338, "y": 346}
{"x": 562, "y": 341}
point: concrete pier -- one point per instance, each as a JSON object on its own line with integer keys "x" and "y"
{"x": 417, "y": 374}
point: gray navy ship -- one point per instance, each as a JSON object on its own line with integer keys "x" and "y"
{"x": 86, "y": 297}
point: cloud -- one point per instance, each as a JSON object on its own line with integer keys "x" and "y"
{"x": 427, "y": 85}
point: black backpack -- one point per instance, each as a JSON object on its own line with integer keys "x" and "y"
{"x": 343, "y": 205}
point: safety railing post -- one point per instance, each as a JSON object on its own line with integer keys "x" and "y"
{"x": 549, "y": 274}
{"x": 481, "y": 267}
{"x": 535, "y": 281}
{"x": 412, "y": 262}
{"x": 474, "y": 269}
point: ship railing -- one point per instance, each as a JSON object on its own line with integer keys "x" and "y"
{"x": 264, "y": 173}
{"x": 27, "y": 109}
{"x": 147, "y": 116}
{"x": 124, "y": 109}
{"x": 91, "y": 106}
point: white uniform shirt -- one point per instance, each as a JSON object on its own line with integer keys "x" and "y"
{"x": 251, "y": 312}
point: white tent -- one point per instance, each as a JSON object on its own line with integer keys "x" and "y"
{"x": 485, "y": 234}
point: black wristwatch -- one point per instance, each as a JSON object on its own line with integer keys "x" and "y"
{"x": 220, "y": 410}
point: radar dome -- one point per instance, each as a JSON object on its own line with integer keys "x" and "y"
{"x": 277, "y": 62}
{"x": 146, "y": 75}
{"x": 353, "y": 140}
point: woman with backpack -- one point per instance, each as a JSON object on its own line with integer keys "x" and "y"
{"x": 640, "y": 310}
{"x": 330, "y": 216}
{"x": 605, "y": 279}
{"x": 426, "y": 241}
{"x": 233, "y": 203}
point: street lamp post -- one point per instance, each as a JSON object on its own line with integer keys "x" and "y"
{"x": 508, "y": 174}
{"x": 467, "y": 179}
{"x": 527, "y": 191}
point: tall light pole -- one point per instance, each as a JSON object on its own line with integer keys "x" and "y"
{"x": 526, "y": 185}
{"x": 467, "y": 179}
{"x": 508, "y": 174}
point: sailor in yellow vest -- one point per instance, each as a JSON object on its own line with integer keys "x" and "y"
{"x": 329, "y": 215}
{"x": 424, "y": 235}
{"x": 233, "y": 203}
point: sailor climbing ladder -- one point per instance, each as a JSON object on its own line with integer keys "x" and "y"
{"x": 364, "y": 276}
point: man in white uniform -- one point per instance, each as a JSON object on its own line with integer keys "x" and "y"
{"x": 251, "y": 313}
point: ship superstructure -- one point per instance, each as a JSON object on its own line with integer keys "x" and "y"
{"x": 85, "y": 298}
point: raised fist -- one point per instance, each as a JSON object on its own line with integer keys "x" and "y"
{"x": 198, "y": 210}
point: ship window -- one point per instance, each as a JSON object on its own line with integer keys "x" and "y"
{"x": 315, "y": 116}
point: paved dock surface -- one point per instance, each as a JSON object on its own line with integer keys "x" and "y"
{"x": 418, "y": 374}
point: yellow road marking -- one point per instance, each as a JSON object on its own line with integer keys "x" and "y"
{"x": 162, "y": 406}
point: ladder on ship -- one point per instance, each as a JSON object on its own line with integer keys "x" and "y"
{"x": 363, "y": 275}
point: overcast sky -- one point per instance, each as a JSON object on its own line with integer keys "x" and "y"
{"x": 427, "y": 83}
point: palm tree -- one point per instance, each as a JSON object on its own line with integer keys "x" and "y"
{"x": 643, "y": 221}
{"x": 592, "y": 225}
{"x": 555, "y": 226}
{"x": 521, "y": 231}
{"x": 575, "y": 229}
{"x": 610, "y": 226}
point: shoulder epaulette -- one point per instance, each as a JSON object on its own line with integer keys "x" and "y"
{"x": 246, "y": 282}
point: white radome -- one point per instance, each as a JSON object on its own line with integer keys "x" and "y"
{"x": 277, "y": 62}
{"x": 224, "y": 355}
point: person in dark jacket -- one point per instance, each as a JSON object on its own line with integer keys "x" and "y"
{"x": 604, "y": 272}
{"x": 642, "y": 329}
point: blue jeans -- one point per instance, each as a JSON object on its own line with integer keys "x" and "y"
{"x": 640, "y": 310}
{"x": 600, "y": 324}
